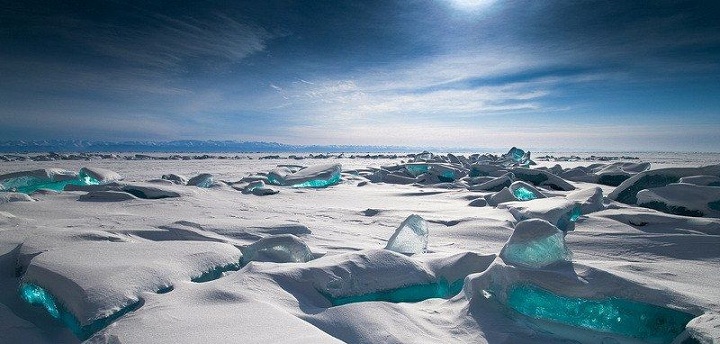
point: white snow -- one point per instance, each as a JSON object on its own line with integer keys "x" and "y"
{"x": 177, "y": 258}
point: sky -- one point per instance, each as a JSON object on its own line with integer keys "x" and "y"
{"x": 588, "y": 75}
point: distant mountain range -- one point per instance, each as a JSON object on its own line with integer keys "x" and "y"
{"x": 209, "y": 146}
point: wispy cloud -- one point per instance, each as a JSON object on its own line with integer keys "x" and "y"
{"x": 171, "y": 43}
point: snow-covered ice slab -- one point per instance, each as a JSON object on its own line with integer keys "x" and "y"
{"x": 208, "y": 313}
{"x": 281, "y": 248}
{"x": 682, "y": 199}
{"x": 203, "y": 180}
{"x": 317, "y": 176}
{"x": 96, "y": 175}
{"x": 541, "y": 178}
{"x": 582, "y": 303}
{"x": 559, "y": 211}
{"x": 410, "y": 237}
{"x": 525, "y": 192}
{"x": 120, "y": 272}
{"x": 29, "y": 181}
{"x": 628, "y": 190}
{"x": 55, "y": 179}
{"x": 8, "y": 197}
{"x": 644, "y": 322}
{"x": 536, "y": 243}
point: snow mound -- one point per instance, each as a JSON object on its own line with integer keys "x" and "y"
{"x": 682, "y": 199}
{"x": 627, "y": 191}
{"x": 7, "y": 197}
{"x": 106, "y": 196}
{"x": 203, "y": 180}
{"x": 120, "y": 272}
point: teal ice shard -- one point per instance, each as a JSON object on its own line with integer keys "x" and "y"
{"x": 559, "y": 211}
{"x": 411, "y": 237}
{"x": 54, "y": 179}
{"x": 30, "y": 181}
{"x": 643, "y": 322}
{"x": 281, "y": 248}
{"x": 203, "y": 180}
{"x": 524, "y": 191}
{"x": 535, "y": 243}
{"x": 37, "y": 296}
{"x": 317, "y": 176}
{"x": 416, "y": 169}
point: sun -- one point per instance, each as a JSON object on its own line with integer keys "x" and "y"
{"x": 470, "y": 5}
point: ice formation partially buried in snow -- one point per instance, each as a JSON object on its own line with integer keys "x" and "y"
{"x": 161, "y": 259}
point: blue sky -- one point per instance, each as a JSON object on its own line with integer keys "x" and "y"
{"x": 610, "y": 75}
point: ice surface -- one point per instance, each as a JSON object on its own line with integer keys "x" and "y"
{"x": 646, "y": 322}
{"x": 281, "y": 248}
{"x": 411, "y": 237}
{"x": 535, "y": 244}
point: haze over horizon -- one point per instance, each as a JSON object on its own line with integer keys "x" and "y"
{"x": 617, "y": 76}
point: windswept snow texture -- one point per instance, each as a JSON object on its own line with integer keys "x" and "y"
{"x": 542, "y": 250}
{"x": 410, "y": 237}
{"x": 648, "y": 323}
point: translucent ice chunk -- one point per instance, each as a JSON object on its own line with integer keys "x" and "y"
{"x": 283, "y": 248}
{"x": 204, "y": 180}
{"x": 645, "y": 322}
{"x": 318, "y": 176}
{"x": 54, "y": 179}
{"x": 535, "y": 244}
{"x": 417, "y": 169}
{"x": 524, "y": 194}
{"x": 37, "y": 296}
{"x": 411, "y": 237}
